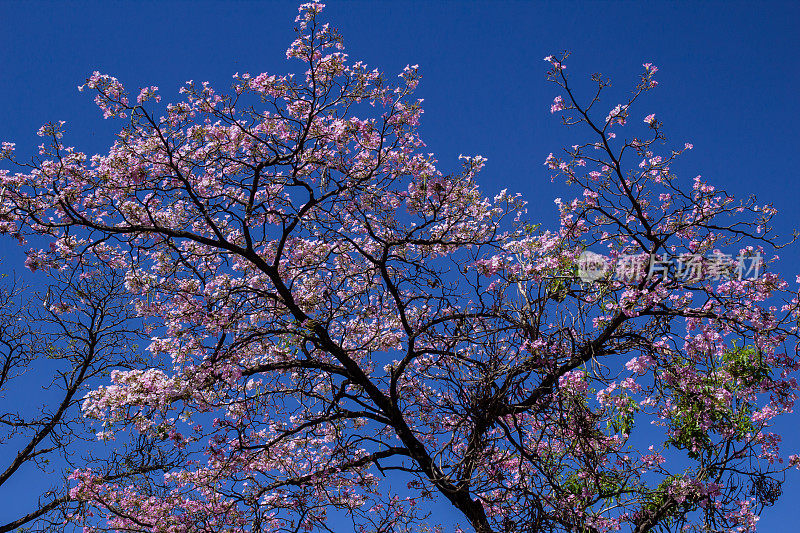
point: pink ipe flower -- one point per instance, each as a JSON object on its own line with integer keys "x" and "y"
{"x": 558, "y": 105}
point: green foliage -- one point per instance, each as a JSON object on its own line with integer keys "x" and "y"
{"x": 622, "y": 418}
{"x": 532, "y": 229}
{"x": 656, "y": 498}
{"x": 739, "y": 367}
{"x": 607, "y": 484}
{"x": 746, "y": 364}
{"x": 559, "y": 288}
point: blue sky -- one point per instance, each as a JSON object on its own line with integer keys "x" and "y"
{"x": 729, "y": 77}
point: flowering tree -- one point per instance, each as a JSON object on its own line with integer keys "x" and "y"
{"x": 332, "y": 316}
{"x": 52, "y": 350}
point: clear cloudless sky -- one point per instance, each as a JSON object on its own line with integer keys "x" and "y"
{"x": 729, "y": 77}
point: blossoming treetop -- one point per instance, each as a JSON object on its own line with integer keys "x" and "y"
{"x": 330, "y": 312}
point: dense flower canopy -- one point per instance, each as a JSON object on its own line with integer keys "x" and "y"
{"x": 330, "y": 312}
